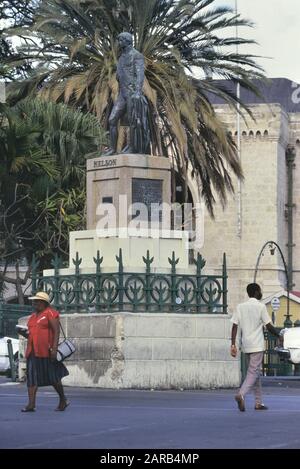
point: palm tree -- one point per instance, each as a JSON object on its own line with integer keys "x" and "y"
{"x": 44, "y": 145}
{"x": 75, "y": 50}
{"x": 22, "y": 162}
{"x": 22, "y": 159}
{"x": 43, "y": 149}
{"x": 66, "y": 134}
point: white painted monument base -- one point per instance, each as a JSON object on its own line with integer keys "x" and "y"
{"x": 160, "y": 245}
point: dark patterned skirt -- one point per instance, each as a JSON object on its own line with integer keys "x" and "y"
{"x": 44, "y": 372}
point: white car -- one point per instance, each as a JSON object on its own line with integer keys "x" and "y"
{"x": 4, "y": 360}
{"x": 291, "y": 345}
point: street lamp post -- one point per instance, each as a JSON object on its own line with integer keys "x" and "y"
{"x": 272, "y": 246}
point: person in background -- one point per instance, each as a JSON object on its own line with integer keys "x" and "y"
{"x": 42, "y": 367}
{"x": 251, "y": 317}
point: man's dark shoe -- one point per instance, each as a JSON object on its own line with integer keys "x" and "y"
{"x": 260, "y": 407}
{"x": 240, "y": 402}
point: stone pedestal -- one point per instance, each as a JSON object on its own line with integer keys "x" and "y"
{"x": 148, "y": 351}
{"x": 159, "y": 244}
{"x": 123, "y": 180}
{"x": 115, "y": 184}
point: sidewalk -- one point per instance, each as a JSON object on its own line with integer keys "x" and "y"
{"x": 283, "y": 381}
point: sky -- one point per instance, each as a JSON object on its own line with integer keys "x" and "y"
{"x": 277, "y": 30}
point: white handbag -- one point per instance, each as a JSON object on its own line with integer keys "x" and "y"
{"x": 65, "y": 349}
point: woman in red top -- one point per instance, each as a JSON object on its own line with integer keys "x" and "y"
{"x": 42, "y": 367}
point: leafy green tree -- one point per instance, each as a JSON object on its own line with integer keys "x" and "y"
{"x": 42, "y": 179}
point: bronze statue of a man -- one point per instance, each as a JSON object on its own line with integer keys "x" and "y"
{"x": 131, "y": 101}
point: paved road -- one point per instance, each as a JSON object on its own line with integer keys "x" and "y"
{"x": 144, "y": 419}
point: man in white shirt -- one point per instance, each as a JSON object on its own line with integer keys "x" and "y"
{"x": 250, "y": 317}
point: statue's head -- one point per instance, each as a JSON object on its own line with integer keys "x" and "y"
{"x": 125, "y": 39}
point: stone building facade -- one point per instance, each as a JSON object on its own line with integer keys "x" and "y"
{"x": 261, "y": 214}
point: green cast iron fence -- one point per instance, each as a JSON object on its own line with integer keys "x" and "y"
{"x": 147, "y": 291}
{"x": 273, "y": 364}
{"x": 102, "y": 292}
{"x": 9, "y": 317}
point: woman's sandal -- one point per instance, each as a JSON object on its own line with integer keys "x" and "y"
{"x": 240, "y": 402}
{"x": 61, "y": 409}
{"x": 28, "y": 409}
